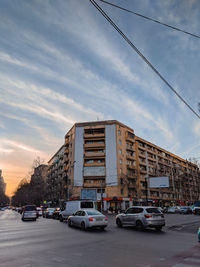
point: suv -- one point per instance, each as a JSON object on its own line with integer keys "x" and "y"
{"x": 141, "y": 218}
{"x": 29, "y": 213}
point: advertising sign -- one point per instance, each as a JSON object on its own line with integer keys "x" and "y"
{"x": 159, "y": 182}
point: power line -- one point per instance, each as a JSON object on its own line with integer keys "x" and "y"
{"x": 142, "y": 56}
{"x": 151, "y": 19}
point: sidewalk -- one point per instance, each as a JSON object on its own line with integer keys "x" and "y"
{"x": 189, "y": 258}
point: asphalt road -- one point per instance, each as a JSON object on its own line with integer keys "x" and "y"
{"x": 48, "y": 242}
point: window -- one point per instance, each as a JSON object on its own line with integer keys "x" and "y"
{"x": 134, "y": 210}
{"x": 120, "y": 151}
{"x": 90, "y": 161}
{"x": 120, "y": 161}
{"x": 119, "y": 132}
{"x": 120, "y": 141}
{"x": 87, "y": 205}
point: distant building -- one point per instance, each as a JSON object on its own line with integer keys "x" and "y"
{"x": 38, "y": 184}
{"x": 2, "y": 184}
{"x": 106, "y": 162}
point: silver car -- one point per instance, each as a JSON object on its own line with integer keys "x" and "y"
{"x": 88, "y": 218}
{"x": 141, "y": 218}
{"x": 29, "y": 213}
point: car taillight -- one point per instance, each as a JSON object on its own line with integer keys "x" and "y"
{"x": 147, "y": 216}
{"x": 106, "y": 218}
{"x": 90, "y": 219}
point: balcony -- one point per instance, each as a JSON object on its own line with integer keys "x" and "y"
{"x": 131, "y": 167}
{"x": 94, "y": 154}
{"x": 94, "y": 164}
{"x": 130, "y": 157}
{"x": 66, "y": 151}
{"x": 94, "y": 135}
{"x": 131, "y": 148}
{"x": 92, "y": 145}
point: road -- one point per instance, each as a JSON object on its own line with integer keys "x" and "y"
{"x": 51, "y": 243}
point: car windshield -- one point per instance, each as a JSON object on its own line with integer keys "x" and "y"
{"x": 30, "y": 208}
{"x": 153, "y": 210}
{"x": 87, "y": 205}
{"x": 94, "y": 212}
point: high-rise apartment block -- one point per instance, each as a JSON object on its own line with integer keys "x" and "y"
{"x": 105, "y": 161}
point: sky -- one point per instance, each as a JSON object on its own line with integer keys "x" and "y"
{"x": 61, "y": 62}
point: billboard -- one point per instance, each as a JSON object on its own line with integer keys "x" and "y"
{"x": 159, "y": 182}
{"x": 89, "y": 194}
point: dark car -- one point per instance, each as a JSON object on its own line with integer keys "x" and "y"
{"x": 56, "y": 214}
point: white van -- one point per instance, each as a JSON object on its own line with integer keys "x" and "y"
{"x": 74, "y": 205}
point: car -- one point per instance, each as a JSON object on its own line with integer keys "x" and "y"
{"x": 29, "y": 213}
{"x": 39, "y": 211}
{"x": 48, "y": 213}
{"x": 173, "y": 209}
{"x": 185, "y": 210}
{"x": 141, "y": 218}
{"x": 88, "y": 218}
{"x": 56, "y": 213}
{"x": 73, "y": 205}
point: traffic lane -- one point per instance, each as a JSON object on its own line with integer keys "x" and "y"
{"x": 51, "y": 243}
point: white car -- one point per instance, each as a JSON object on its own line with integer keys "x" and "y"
{"x": 88, "y": 218}
{"x": 39, "y": 211}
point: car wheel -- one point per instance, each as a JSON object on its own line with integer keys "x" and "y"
{"x": 158, "y": 228}
{"x": 119, "y": 223}
{"x": 83, "y": 226}
{"x": 102, "y": 228}
{"x": 139, "y": 226}
{"x": 61, "y": 219}
{"x": 69, "y": 223}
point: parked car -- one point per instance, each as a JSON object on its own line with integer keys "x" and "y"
{"x": 185, "y": 210}
{"x": 48, "y": 213}
{"x": 39, "y": 211}
{"x": 141, "y": 217}
{"x": 88, "y": 218}
{"x": 29, "y": 213}
{"x": 56, "y": 213}
{"x": 196, "y": 208}
{"x": 74, "y": 205}
{"x": 173, "y": 209}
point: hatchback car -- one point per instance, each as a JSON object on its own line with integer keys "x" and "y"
{"x": 88, "y": 218}
{"x": 29, "y": 213}
{"x": 141, "y": 218}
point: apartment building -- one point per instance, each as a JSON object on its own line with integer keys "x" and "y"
{"x": 106, "y": 162}
{"x": 55, "y": 182}
{"x": 153, "y": 161}
{"x": 100, "y": 163}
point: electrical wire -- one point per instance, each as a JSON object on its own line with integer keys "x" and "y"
{"x": 142, "y": 56}
{"x": 151, "y": 19}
